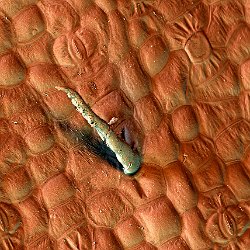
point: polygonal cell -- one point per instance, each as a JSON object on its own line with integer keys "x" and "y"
{"x": 41, "y": 243}
{"x": 174, "y": 244}
{"x": 63, "y": 217}
{"x": 54, "y": 11}
{"x": 80, "y": 6}
{"x": 5, "y": 168}
{"x": 57, "y": 190}
{"x": 118, "y": 46}
{"x": 132, "y": 190}
{"x": 245, "y": 239}
{"x": 134, "y": 83}
{"x": 105, "y": 177}
{"x": 245, "y": 104}
{"x": 160, "y": 220}
{"x": 159, "y": 146}
{"x": 180, "y": 189}
{"x": 59, "y": 105}
{"x": 198, "y": 47}
{"x": 196, "y": 153}
{"x": 232, "y": 142}
{"x": 173, "y": 9}
{"x": 106, "y": 6}
{"x": 210, "y": 176}
{"x": 17, "y": 184}
{"x": 227, "y": 15}
{"x": 238, "y": 48}
{"x": 34, "y": 218}
{"x": 247, "y": 12}
{"x": 12, "y": 71}
{"x": 144, "y": 246}
{"x": 5, "y": 34}
{"x": 86, "y": 168}
{"x": 37, "y": 51}
{"x": 112, "y": 105}
{"x": 185, "y": 124}
{"x": 2, "y": 114}
{"x": 40, "y": 140}
{"x": 12, "y": 152}
{"x": 28, "y": 24}
{"x": 44, "y": 77}
{"x": 213, "y": 117}
{"x": 81, "y": 165}
{"x": 17, "y": 100}
{"x": 26, "y": 121}
{"x": 94, "y": 89}
{"x": 48, "y": 164}
{"x": 107, "y": 208}
{"x": 245, "y": 72}
{"x": 226, "y": 85}
{"x": 137, "y": 32}
{"x": 193, "y": 231}
{"x": 4, "y": 128}
{"x": 104, "y": 239}
{"x": 11, "y": 8}
{"x": 246, "y": 161}
{"x": 148, "y": 113}
{"x": 238, "y": 181}
{"x": 169, "y": 86}
{"x": 151, "y": 182}
{"x": 129, "y": 232}
{"x": 12, "y": 232}
{"x": 154, "y": 55}
{"x": 79, "y": 238}
{"x": 212, "y": 1}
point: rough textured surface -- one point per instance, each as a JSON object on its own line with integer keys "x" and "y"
{"x": 172, "y": 78}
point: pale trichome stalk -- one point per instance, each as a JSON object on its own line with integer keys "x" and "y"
{"x": 129, "y": 159}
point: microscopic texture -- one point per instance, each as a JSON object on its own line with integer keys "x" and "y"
{"x": 171, "y": 79}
